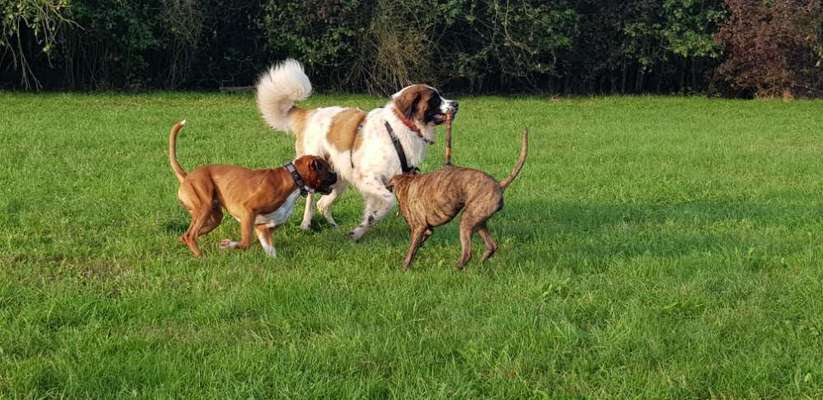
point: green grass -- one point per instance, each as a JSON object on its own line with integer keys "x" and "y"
{"x": 653, "y": 247}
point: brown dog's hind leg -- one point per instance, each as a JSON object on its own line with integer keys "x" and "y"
{"x": 491, "y": 245}
{"x": 214, "y": 220}
{"x": 418, "y": 236}
{"x": 198, "y": 220}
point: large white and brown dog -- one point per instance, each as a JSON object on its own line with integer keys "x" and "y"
{"x": 358, "y": 144}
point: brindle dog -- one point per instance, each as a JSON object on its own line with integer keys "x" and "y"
{"x": 433, "y": 199}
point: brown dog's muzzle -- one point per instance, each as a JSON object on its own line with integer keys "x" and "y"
{"x": 327, "y": 183}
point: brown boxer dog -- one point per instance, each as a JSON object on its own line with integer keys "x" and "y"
{"x": 261, "y": 199}
{"x": 433, "y": 199}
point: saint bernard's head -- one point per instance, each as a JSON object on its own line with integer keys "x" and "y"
{"x": 423, "y": 104}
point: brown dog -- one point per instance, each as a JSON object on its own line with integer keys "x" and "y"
{"x": 260, "y": 199}
{"x": 433, "y": 199}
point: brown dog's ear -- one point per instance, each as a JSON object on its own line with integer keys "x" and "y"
{"x": 315, "y": 164}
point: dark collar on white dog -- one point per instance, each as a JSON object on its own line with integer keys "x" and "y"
{"x": 412, "y": 127}
{"x": 298, "y": 180}
{"x": 398, "y": 147}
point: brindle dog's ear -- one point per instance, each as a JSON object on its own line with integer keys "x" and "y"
{"x": 407, "y": 103}
{"x": 389, "y": 184}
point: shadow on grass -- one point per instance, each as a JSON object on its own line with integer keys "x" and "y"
{"x": 176, "y": 226}
{"x": 598, "y": 232}
{"x": 592, "y": 233}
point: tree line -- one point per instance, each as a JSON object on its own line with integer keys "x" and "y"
{"x": 736, "y": 48}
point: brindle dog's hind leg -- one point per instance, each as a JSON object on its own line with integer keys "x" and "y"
{"x": 467, "y": 227}
{"x": 417, "y": 238}
{"x": 491, "y": 245}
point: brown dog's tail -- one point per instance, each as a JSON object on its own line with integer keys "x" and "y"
{"x": 524, "y": 147}
{"x": 179, "y": 172}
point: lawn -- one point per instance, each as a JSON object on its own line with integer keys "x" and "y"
{"x": 653, "y": 247}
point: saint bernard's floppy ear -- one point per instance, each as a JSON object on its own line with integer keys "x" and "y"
{"x": 413, "y": 101}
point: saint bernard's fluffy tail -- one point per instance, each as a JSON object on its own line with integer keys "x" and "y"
{"x": 277, "y": 91}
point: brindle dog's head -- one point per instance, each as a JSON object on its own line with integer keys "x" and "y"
{"x": 424, "y": 104}
{"x": 399, "y": 184}
{"x": 317, "y": 173}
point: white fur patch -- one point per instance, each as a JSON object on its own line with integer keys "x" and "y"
{"x": 281, "y": 215}
{"x": 278, "y": 89}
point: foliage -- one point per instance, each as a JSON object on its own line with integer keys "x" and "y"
{"x": 773, "y": 47}
{"x": 511, "y": 44}
{"x": 559, "y": 46}
{"x": 643, "y": 45}
{"x": 324, "y": 34}
{"x": 29, "y": 31}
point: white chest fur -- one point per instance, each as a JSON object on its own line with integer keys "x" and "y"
{"x": 279, "y": 216}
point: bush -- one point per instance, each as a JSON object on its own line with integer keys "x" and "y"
{"x": 766, "y": 47}
{"x": 324, "y": 34}
{"x": 384, "y": 45}
{"x": 28, "y": 34}
{"x": 772, "y": 48}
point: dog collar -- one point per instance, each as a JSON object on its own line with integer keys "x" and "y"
{"x": 398, "y": 147}
{"x": 409, "y": 124}
{"x": 298, "y": 180}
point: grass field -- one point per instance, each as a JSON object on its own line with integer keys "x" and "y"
{"x": 652, "y": 247}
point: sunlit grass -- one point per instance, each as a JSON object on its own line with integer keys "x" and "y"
{"x": 653, "y": 247}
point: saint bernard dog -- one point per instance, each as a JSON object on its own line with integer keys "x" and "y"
{"x": 358, "y": 144}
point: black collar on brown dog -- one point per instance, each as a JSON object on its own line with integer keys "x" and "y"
{"x": 398, "y": 147}
{"x": 298, "y": 180}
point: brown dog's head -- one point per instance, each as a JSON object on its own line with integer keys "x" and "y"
{"x": 423, "y": 103}
{"x": 317, "y": 173}
{"x": 398, "y": 185}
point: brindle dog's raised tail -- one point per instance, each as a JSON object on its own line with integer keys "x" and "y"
{"x": 521, "y": 160}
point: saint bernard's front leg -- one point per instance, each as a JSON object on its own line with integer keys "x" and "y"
{"x": 379, "y": 201}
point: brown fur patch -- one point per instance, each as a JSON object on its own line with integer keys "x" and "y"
{"x": 299, "y": 117}
{"x": 344, "y": 127}
{"x": 414, "y": 101}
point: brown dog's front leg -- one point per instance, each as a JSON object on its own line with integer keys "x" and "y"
{"x": 246, "y": 227}
{"x": 417, "y": 235}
